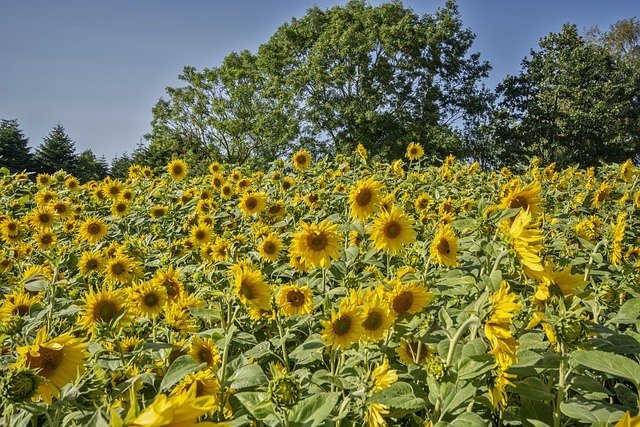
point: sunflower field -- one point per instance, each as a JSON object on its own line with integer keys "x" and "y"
{"x": 342, "y": 292}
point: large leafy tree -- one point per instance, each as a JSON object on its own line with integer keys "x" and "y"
{"x": 226, "y": 113}
{"x": 572, "y": 103}
{"x": 381, "y": 76}
{"x": 622, "y": 40}
{"x": 14, "y": 148}
{"x": 89, "y": 167}
{"x": 57, "y": 151}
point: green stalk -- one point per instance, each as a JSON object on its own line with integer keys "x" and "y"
{"x": 283, "y": 345}
{"x": 587, "y": 271}
{"x": 557, "y": 414}
{"x": 472, "y": 321}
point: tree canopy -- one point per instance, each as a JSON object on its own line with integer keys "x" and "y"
{"x": 14, "y": 149}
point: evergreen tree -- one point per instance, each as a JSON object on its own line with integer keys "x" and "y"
{"x": 56, "y": 152}
{"x": 89, "y": 167}
{"x": 120, "y": 166}
{"x": 14, "y": 149}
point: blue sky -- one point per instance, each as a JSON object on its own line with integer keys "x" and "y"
{"x": 98, "y": 68}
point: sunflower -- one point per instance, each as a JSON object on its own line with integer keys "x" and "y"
{"x": 498, "y": 389}
{"x": 270, "y": 248}
{"x": 558, "y": 283}
{"x": 46, "y": 239}
{"x": 316, "y": 245}
{"x": 526, "y": 242}
{"x": 496, "y": 327}
{"x": 205, "y": 382}
{"x": 217, "y": 180}
{"x": 415, "y": 151}
{"x": 18, "y": 303}
{"x": 252, "y": 203}
{"x": 391, "y": 230}
{"x": 120, "y": 208}
{"x": 148, "y": 298}
{"x": 121, "y": 269}
{"x": 251, "y": 287}
{"x": 618, "y": 236}
{"x": 112, "y": 188}
{"x": 42, "y": 218}
{"x": 61, "y": 208}
{"x": 235, "y": 175}
{"x": 43, "y": 179}
{"x": 345, "y": 326}
{"x": 200, "y": 234}
{"x": 57, "y": 361}
{"x": 72, "y": 183}
{"x": 365, "y": 198}
{"x": 377, "y": 316}
{"x": 276, "y": 210}
{"x": 10, "y": 228}
{"x": 180, "y": 319}
{"x": 602, "y": 194}
{"x": 177, "y": 169}
{"x": 103, "y": 306}
{"x": 182, "y": 409}
{"x": 444, "y": 248}
{"x": 171, "y": 282}
{"x": 423, "y": 202}
{"x": 287, "y": 183}
{"x": 295, "y": 300}
{"x": 92, "y": 230}
{"x": 526, "y": 198}
{"x": 408, "y": 298}
{"x": 226, "y": 190}
{"x": 301, "y": 160}
{"x": 413, "y": 351}
{"x": 158, "y": 211}
{"x": 362, "y": 152}
{"x": 90, "y": 262}
{"x": 203, "y": 350}
{"x": 44, "y": 197}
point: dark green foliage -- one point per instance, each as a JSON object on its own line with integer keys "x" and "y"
{"x": 14, "y": 149}
{"x": 120, "y": 166}
{"x": 89, "y": 167}
{"x": 56, "y": 152}
{"x": 572, "y": 103}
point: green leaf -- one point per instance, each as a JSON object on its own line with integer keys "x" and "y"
{"x": 457, "y": 398}
{"x": 312, "y": 411}
{"x": 398, "y": 395}
{"x": 257, "y": 403}
{"x": 247, "y": 376}
{"x": 590, "y": 413}
{"x": 468, "y": 419}
{"x": 532, "y": 388}
{"x": 182, "y": 366}
{"x": 205, "y": 313}
{"x": 533, "y": 412}
{"x": 612, "y": 364}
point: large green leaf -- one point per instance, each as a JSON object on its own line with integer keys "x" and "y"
{"x": 612, "y": 364}
{"x": 247, "y": 376}
{"x": 182, "y": 366}
{"x": 314, "y": 410}
{"x": 532, "y": 388}
{"x": 590, "y": 413}
{"x": 398, "y": 395}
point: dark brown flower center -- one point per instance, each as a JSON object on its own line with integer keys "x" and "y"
{"x": 105, "y": 311}
{"x": 373, "y": 321}
{"x": 443, "y": 247}
{"x": 403, "y": 302}
{"x": 295, "y": 298}
{"x": 364, "y": 197}
{"x": 392, "y": 229}
{"x": 342, "y": 326}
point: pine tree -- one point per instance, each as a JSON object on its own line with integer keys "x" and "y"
{"x": 56, "y": 152}
{"x": 14, "y": 149}
{"x": 89, "y": 167}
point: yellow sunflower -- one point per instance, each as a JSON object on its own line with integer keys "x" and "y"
{"x": 444, "y": 249}
{"x": 251, "y": 287}
{"x": 295, "y": 300}
{"x": 391, "y": 230}
{"x": 45, "y": 239}
{"x": 496, "y": 327}
{"x": 226, "y": 190}
{"x": 10, "y": 228}
{"x": 148, "y": 298}
{"x": 158, "y": 211}
{"x": 316, "y": 244}
{"x": 301, "y": 160}
{"x": 377, "y": 316}
{"x": 415, "y": 151}
{"x": 559, "y": 283}
{"x": 365, "y": 198}
{"x": 72, "y": 183}
{"x": 42, "y": 218}
{"x": 345, "y": 326}
{"x": 177, "y": 169}
{"x": 111, "y": 188}
{"x": 203, "y": 350}
{"x": 616, "y": 241}
{"x": 171, "y": 282}
{"x": 287, "y": 183}
{"x": 423, "y": 202}
{"x": 61, "y": 208}
{"x": 270, "y": 248}
{"x": 18, "y": 303}
{"x": 103, "y": 306}
{"x": 92, "y": 230}
{"x": 498, "y": 389}
{"x": 526, "y": 242}
{"x": 526, "y": 198}
{"x": 362, "y": 152}
{"x": 408, "y": 298}
{"x": 252, "y": 203}
{"x": 43, "y": 179}
{"x": 201, "y": 234}
{"x": 121, "y": 269}
{"x": 90, "y": 262}
{"x": 120, "y": 208}
{"x": 205, "y": 382}
{"x": 413, "y": 351}
{"x": 57, "y": 360}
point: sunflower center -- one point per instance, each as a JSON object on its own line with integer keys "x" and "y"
{"x": 251, "y": 203}
{"x": 151, "y": 299}
{"x": 364, "y": 197}
{"x": 117, "y": 269}
{"x": 48, "y": 361}
{"x": 373, "y": 321}
{"x": 21, "y": 310}
{"x": 105, "y": 311}
{"x": 205, "y": 356}
{"x": 317, "y": 242}
{"x": 286, "y": 185}
{"x": 342, "y": 326}
{"x": 94, "y": 229}
{"x": 114, "y": 191}
{"x": 313, "y": 197}
{"x": 295, "y": 298}
{"x": 44, "y": 218}
{"x": 403, "y": 302}
{"x": 92, "y": 264}
{"x": 443, "y": 247}
{"x": 177, "y": 170}
{"x": 246, "y": 291}
{"x": 12, "y": 226}
{"x": 301, "y": 160}
{"x": 392, "y": 229}
{"x": 121, "y": 207}
{"x": 46, "y": 239}
{"x": 217, "y": 182}
{"x": 226, "y": 190}
{"x": 269, "y": 248}
{"x": 519, "y": 201}
{"x": 423, "y": 204}
{"x": 200, "y": 234}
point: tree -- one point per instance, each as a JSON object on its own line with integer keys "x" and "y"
{"x": 14, "y": 148}
{"x": 622, "y": 40}
{"x": 223, "y": 114}
{"x": 120, "y": 166}
{"x": 89, "y": 167}
{"x": 56, "y": 152}
{"x": 572, "y": 103}
{"x": 380, "y": 76}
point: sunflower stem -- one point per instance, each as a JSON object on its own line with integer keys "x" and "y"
{"x": 225, "y": 355}
{"x": 472, "y": 321}
{"x": 557, "y": 413}
{"x": 283, "y": 343}
{"x": 587, "y": 270}
{"x": 153, "y": 331}
{"x": 498, "y": 260}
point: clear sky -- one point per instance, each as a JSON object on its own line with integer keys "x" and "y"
{"x": 98, "y": 67}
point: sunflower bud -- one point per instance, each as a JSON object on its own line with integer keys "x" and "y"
{"x": 571, "y": 330}
{"x": 284, "y": 391}
{"x": 607, "y": 294}
{"x": 19, "y": 385}
{"x": 485, "y": 227}
{"x": 11, "y": 325}
{"x": 436, "y": 368}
